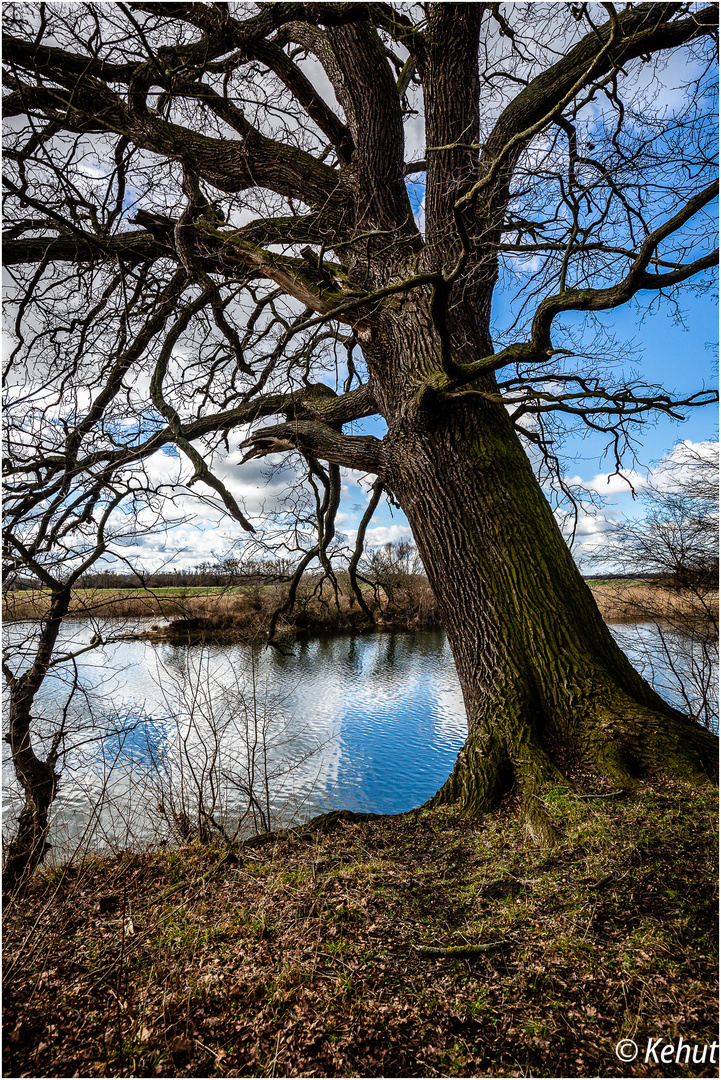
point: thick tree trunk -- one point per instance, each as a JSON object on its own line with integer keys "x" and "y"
{"x": 543, "y": 680}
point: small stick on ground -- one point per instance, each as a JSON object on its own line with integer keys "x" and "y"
{"x": 462, "y": 951}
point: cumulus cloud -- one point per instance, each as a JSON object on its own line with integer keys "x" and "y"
{"x": 179, "y": 548}
{"x": 195, "y": 527}
{"x": 384, "y": 534}
{"x": 612, "y": 483}
{"x": 671, "y": 471}
{"x": 678, "y": 467}
{"x": 592, "y": 525}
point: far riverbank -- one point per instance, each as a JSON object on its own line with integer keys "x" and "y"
{"x": 245, "y": 610}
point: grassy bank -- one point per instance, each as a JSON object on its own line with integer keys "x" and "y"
{"x": 304, "y": 957}
{"x": 247, "y": 610}
{"x": 243, "y": 610}
{"x": 163, "y": 603}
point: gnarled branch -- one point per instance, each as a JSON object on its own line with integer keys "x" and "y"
{"x": 313, "y": 439}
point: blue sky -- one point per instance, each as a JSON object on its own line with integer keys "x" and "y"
{"x": 677, "y": 356}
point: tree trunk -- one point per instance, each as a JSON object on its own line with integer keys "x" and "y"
{"x": 39, "y": 781}
{"x": 38, "y": 778}
{"x": 544, "y": 682}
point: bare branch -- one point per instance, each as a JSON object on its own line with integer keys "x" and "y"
{"x": 635, "y": 279}
{"x": 361, "y": 452}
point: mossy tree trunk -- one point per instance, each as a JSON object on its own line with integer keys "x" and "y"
{"x": 543, "y": 680}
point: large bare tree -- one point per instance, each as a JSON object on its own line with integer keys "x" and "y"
{"x": 208, "y": 209}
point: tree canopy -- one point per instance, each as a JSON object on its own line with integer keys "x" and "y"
{"x": 214, "y": 196}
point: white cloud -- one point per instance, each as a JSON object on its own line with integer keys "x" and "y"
{"x": 612, "y": 483}
{"x": 179, "y": 548}
{"x": 592, "y": 525}
{"x": 384, "y": 534}
{"x": 677, "y": 467}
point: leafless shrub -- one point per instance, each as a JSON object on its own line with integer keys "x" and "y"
{"x": 675, "y": 548}
{"x": 233, "y": 763}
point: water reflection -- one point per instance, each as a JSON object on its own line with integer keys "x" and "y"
{"x": 132, "y": 735}
{"x": 369, "y": 722}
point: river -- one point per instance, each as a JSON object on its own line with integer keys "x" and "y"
{"x": 369, "y": 722}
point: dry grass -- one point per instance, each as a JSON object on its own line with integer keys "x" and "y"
{"x": 246, "y": 609}
{"x": 302, "y": 959}
{"x": 127, "y": 603}
{"x": 620, "y": 601}
{"x": 617, "y": 602}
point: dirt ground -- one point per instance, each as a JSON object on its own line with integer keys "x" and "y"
{"x": 313, "y": 955}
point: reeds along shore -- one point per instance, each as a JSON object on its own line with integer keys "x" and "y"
{"x": 410, "y": 604}
{"x": 621, "y": 601}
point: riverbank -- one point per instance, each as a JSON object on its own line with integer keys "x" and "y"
{"x": 245, "y": 611}
{"x": 312, "y": 955}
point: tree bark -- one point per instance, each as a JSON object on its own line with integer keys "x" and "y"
{"x": 39, "y": 780}
{"x": 37, "y": 777}
{"x": 544, "y": 683}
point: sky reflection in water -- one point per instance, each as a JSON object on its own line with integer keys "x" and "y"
{"x": 368, "y": 722}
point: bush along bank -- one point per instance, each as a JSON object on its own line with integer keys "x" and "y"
{"x": 409, "y": 605}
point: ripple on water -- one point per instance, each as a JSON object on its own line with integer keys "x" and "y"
{"x": 386, "y": 711}
{"x": 385, "y": 708}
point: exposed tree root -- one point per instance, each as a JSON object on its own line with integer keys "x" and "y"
{"x": 323, "y": 823}
{"x": 536, "y": 823}
{"x": 621, "y": 744}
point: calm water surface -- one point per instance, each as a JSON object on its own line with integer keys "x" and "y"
{"x": 369, "y": 722}
{"x": 366, "y": 722}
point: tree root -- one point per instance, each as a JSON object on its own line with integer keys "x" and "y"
{"x": 536, "y": 822}
{"x": 323, "y": 823}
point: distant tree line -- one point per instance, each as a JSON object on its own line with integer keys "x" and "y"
{"x": 384, "y": 565}
{"x": 225, "y": 572}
